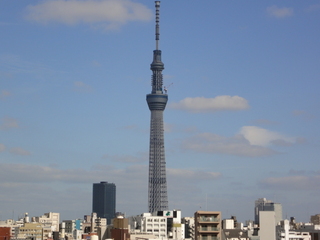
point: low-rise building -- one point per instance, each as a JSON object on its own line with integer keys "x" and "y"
{"x": 285, "y": 232}
{"x": 189, "y": 227}
{"x": 31, "y": 230}
{"x": 312, "y": 229}
{"x": 146, "y": 223}
{"x": 5, "y": 233}
{"x": 315, "y": 219}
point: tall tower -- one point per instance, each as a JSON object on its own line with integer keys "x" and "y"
{"x": 157, "y": 100}
{"x": 104, "y": 200}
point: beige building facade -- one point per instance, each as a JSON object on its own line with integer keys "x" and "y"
{"x": 207, "y": 225}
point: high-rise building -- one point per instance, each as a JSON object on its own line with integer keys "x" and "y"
{"x": 157, "y": 100}
{"x": 104, "y": 200}
{"x": 262, "y": 204}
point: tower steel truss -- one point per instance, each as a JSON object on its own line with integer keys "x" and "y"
{"x": 157, "y": 100}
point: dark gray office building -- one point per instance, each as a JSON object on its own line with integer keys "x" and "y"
{"x": 104, "y": 200}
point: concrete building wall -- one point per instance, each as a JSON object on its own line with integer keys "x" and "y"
{"x": 267, "y": 225}
{"x": 277, "y": 208}
{"x": 228, "y": 224}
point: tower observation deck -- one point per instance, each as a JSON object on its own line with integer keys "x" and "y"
{"x": 157, "y": 100}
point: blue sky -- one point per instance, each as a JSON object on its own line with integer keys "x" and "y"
{"x": 242, "y": 121}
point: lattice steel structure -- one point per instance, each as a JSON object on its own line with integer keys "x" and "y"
{"x": 157, "y": 100}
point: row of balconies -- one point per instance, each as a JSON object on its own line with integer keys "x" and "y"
{"x": 30, "y": 230}
{"x": 209, "y": 238}
{"x": 209, "y": 219}
{"x": 156, "y": 230}
{"x": 156, "y": 220}
{"x": 209, "y": 229}
{"x": 156, "y": 225}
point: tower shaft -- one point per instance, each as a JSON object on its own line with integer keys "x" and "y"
{"x": 157, "y": 100}
{"x": 158, "y": 199}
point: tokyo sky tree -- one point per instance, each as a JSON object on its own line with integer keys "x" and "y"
{"x": 157, "y": 100}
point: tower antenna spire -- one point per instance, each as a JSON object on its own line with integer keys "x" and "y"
{"x": 157, "y": 24}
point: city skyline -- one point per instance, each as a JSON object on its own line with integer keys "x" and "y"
{"x": 242, "y": 122}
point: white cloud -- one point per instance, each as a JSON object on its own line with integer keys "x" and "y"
{"x": 96, "y": 63}
{"x": 168, "y": 127}
{"x": 8, "y": 123}
{"x": 305, "y": 115}
{"x": 251, "y": 141}
{"x": 2, "y": 147}
{"x": 20, "y": 151}
{"x": 192, "y": 175}
{"x": 4, "y": 94}
{"x": 297, "y": 182}
{"x": 262, "y": 137}
{"x": 15, "y": 65}
{"x": 219, "y": 103}
{"x": 113, "y": 13}
{"x": 141, "y": 157}
{"x": 277, "y": 12}
{"x": 313, "y": 8}
{"x": 264, "y": 122}
{"x": 79, "y": 86}
{"x": 130, "y": 176}
{"x": 25, "y": 184}
{"x": 236, "y": 145}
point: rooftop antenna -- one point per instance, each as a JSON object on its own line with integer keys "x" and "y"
{"x": 157, "y": 24}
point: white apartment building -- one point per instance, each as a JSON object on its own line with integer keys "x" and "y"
{"x": 49, "y": 219}
{"x": 175, "y": 228}
{"x": 146, "y": 223}
{"x": 161, "y": 224}
{"x": 49, "y": 222}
